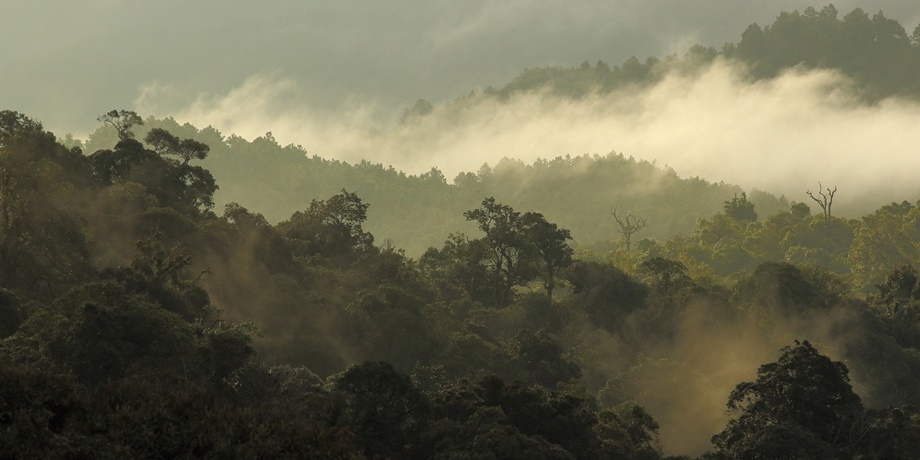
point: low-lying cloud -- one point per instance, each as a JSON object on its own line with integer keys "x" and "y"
{"x": 781, "y": 135}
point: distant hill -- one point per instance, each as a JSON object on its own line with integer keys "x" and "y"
{"x": 420, "y": 211}
{"x": 876, "y": 52}
{"x": 579, "y": 193}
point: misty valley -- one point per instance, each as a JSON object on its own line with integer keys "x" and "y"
{"x": 172, "y": 290}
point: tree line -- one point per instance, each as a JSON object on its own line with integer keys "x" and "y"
{"x": 877, "y": 52}
{"x": 419, "y": 211}
{"x": 138, "y": 322}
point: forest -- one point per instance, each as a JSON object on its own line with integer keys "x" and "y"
{"x": 167, "y": 291}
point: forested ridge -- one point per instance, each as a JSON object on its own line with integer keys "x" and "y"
{"x": 142, "y": 318}
{"x": 881, "y": 57}
{"x": 139, "y": 322}
{"x": 419, "y": 211}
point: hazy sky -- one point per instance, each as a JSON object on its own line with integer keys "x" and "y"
{"x": 65, "y": 62}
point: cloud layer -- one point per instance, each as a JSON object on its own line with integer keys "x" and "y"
{"x": 75, "y": 60}
{"x": 781, "y": 136}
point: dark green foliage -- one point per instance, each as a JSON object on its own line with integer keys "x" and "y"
{"x": 385, "y": 409}
{"x": 187, "y": 188}
{"x": 144, "y": 351}
{"x": 159, "y": 274}
{"x": 561, "y": 419}
{"x": 458, "y": 267}
{"x": 740, "y": 209}
{"x": 489, "y": 434}
{"x": 388, "y": 325}
{"x": 669, "y": 282}
{"x": 417, "y": 212}
{"x": 39, "y": 410}
{"x": 11, "y": 314}
{"x": 605, "y": 293}
{"x": 509, "y": 259}
{"x": 876, "y": 51}
{"x": 330, "y": 229}
{"x": 780, "y": 287}
{"x": 584, "y": 80}
{"x": 551, "y": 246}
{"x": 42, "y": 246}
{"x": 893, "y": 432}
{"x": 494, "y": 419}
{"x": 165, "y": 143}
{"x": 475, "y": 352}
{"x": 781, "y": 440}
{"x": 801, "y": 406}
{"x": 111, "y": 165}
{"x": 51, "y": 416}
{"x": 898, "y": 300}
{"x": 543, "y": 360}
{"x": 641, "y": 429}
{"x": 785, "y": 289}
{"x": 122, "y": 121}
{"x": 101, "y": 332}
{"x": 890, "y": 371}
{"x": 516, "y": 250}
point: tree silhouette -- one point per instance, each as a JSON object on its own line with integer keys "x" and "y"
{"x": 801, "y": 406}
{"x": 122, "y": 121}
{"x": 826, "y": 201}
{"x": 629, "y": 225}
{"x": 740, "y": 209}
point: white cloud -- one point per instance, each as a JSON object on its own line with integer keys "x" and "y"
{"x": 781, "y": 136}
{"x": 152, "y": 98}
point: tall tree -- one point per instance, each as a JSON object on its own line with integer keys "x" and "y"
{"x": 331, "y": 228}
{"x": 41, "y": 226}
{"x": 165, "y": 143}
{"x": 510, "y": 258}
{"x": 740, "y": 209}
{"x": 551, "y": 243}
{"x": 801, "y": 406}
{"x": 384, "y": 408}
{"x": 122, "y": 121}
{"x": 184, "y": 187}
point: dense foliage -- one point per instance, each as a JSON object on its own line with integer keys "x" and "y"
{"x": 416, "y": 212}
{"x": 877, "y": 52}
{"x": 140, "y": 320}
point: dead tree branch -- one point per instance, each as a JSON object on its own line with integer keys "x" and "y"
{"x": 826, "y": 201}
{"x": 629, "y": 225}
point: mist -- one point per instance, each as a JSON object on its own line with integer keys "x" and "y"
{"x": 684, "y": 377}
{"x": 139, "y": 315}
{"x": 685, "y": 382}
{"x": 92, "y": 56}
{"x": 782, "y": 136}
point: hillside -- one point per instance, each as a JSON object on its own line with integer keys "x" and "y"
{"x": 138, "y": 322}
{"x": 419, "y": 211}
{"x": 881, "y": 57}
{"x": 578, "y": 191}
{"x": 171, "y": 291}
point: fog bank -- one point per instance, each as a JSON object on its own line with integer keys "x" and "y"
{"x": 781, "y": 136}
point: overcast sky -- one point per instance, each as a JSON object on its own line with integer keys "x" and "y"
{"x": 65, "y": 62}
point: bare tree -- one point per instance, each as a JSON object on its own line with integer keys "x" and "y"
{"x": 629, "y": 225}
{"x": 826, "y": 201}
